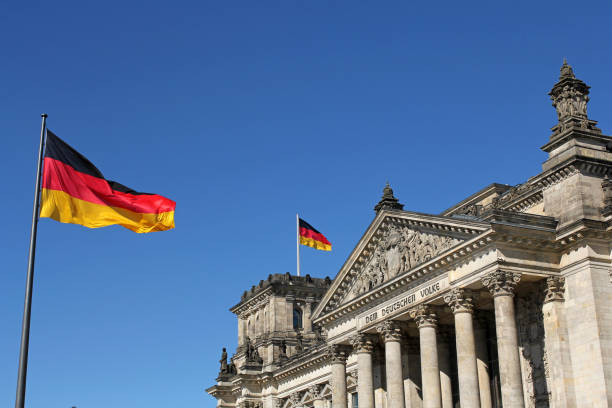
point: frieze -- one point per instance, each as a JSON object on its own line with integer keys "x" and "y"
{"x": 403, "y": 302}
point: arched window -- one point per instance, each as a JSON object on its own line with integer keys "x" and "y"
{"x": 297, "y": 318}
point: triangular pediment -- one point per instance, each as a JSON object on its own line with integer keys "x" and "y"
{"x": 394, "y": 244}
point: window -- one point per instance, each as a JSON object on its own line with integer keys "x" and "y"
{"x": 355, "y": 399}
{"x": 297, "y": 318}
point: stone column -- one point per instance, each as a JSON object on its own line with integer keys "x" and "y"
{"x": 461, "y": 303}
{"x": 556, "y": 343}
{"x": 307, "y": 316}
{"x": 363, "y": 345}
{"x": 289, "y": 299}
{"x": 392, "y": 336}
{"x": 502, "y": 285}
{"x": 242, "y": 330}
{"x": 427, "y": 322}
{"x": 337, "y": 354}
{"x": 482, "y": 362}
{"x": 446, "y": 388}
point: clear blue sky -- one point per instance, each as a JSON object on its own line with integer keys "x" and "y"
{"x": 244, "y": 113}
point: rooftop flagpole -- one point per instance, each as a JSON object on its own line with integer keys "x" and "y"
{"x": 27, "y": 308}
{"x": 297, "y": 223}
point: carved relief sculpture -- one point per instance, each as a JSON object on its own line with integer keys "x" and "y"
{"x": 401, "y": 249}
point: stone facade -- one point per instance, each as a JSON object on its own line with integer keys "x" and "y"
{"x": 504, "y": 299}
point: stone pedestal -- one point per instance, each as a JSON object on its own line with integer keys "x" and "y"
{"x": 337, "y": 355}
{"x": 430, "y": 372}
{"x": 363, "y": 346}
{"x": 460, "y": 302}
{"x": 557, "y": 345}
{"x": 393, "y": 357}
{"x": 502, "y": 284}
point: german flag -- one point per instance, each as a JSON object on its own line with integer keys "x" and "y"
{"x": 74, "y": 191}
{"x": 309, "y": 236}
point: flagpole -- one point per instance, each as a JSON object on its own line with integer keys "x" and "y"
{"x": 297, "y": 223}
{"x": 27, "y": 308}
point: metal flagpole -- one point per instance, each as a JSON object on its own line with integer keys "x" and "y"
{"x": 297, "y": 223}
{"x": 27, "y": 308}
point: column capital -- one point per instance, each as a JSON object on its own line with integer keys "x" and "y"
{"x": 390, "y": 330}
{"x": 337, "y": 353}
{"x": 554, "y": 289}
{"x": 501, "y": 283}
{"x": 315, "y": 391}
{"x": 460, "y": 300}
{"x": 362, "y": 343}
{"x": 424, "y": 316}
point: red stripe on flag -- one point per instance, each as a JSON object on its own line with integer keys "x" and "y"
{"x": 307, "y": 233}
{"x": 60, "y": 176}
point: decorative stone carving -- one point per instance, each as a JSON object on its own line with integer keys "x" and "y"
{"x": 554, "y": 289}
{"x": 570, "y": 95}
{"x": 315, "y": 392}
{"x": 460, "y": 300}
{"x": 606, "y": 186}
{"x": 390, "y": 331}
{"x": 400, "y": 249}
{"x": 501, "y": 283}
{"x": 362, "y": 343}
{"x": 223, "y": 362}
{"x": 536, "y": 384}
{"x": 424, "y": 316}
{"x": 388, "y": 201}
{"x": 570, "y": 98}
{"x": 294, "y": 399}
{"x": 337, "y": 353}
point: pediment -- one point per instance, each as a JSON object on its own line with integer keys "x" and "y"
{"x": 394, "y": 244}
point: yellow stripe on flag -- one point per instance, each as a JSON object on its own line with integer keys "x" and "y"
{"x": 62, "y": 207}
{"x": 315, "y": 244}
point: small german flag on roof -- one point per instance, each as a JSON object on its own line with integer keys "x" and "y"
{"x": 309, "y": 236}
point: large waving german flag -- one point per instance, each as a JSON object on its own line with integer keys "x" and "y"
{"x": 309, "y": 236}
{"x": 75, "y": 191}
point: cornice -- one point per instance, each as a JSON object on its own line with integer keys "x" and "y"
{"x": 314, "y": 357}
{"x": 252, "y": 304}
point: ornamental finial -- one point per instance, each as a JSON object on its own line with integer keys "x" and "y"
{"x": 388, "y": 200}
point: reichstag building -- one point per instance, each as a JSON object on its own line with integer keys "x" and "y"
{"x": 503, "y": 300}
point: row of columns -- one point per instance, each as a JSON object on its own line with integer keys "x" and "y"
{"x": 474, "y": 391}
